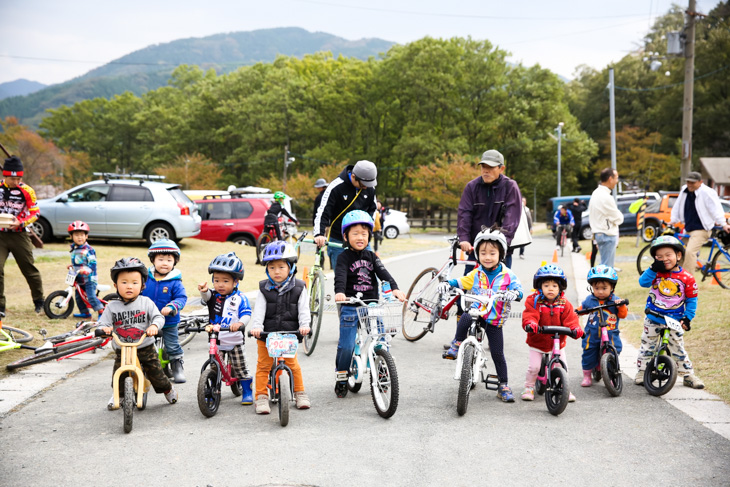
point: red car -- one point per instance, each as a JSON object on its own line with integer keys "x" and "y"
{"x": 238, "y": 220}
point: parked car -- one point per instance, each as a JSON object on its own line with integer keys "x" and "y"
{"x": 121, "y": 208}
{"x": 623, "y": 201}
{"x": 232, "y": 219}
{"x": 660, "y": 213}
{"x": 395, "y": 223}
{"x": 554, "y": 203}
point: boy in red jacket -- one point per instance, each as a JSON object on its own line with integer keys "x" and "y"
{"x": 546, "y": 307}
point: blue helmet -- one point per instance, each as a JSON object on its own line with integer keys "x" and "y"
{"x": 229, "y": 263}
{"x": 603, "y": 273}
{"x": 279, "y": 250}
{"x": 354, "y": 217}
{"x": 164, "y": 246}
{"x": 550, "y": 271}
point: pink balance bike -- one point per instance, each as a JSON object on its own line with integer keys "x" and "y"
{"x": 552, "y": 380}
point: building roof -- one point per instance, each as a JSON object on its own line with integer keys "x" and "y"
{"x": 716, "y": 168}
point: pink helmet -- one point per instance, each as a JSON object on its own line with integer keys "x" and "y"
{"x": 78, "y": 226}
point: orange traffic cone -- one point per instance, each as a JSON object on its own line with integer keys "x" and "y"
{"x": 588, "y": 255}
{"x": 555, "y": 256}
{"x": 715, "y": 276}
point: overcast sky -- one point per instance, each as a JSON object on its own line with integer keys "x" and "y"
{"x": 53, "y": 41}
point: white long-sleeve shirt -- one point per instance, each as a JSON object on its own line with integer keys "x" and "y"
{"x": 603, "y": 214}
{"x": 707, "y": 204}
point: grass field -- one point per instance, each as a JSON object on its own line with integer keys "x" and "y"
{"x": 196, "y": 255}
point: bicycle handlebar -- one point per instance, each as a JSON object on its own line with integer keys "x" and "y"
{"x": 602, "y": 306}
{"x": 264, "y": 334}
{"x": 199, "y": 329}
{"x": 328, "y": 244}
{"x": 556, "y": 330}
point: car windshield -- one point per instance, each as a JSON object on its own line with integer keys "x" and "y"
{"x": 180, "y": 197}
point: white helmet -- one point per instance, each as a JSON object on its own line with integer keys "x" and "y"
{"x": 494, "y": 235}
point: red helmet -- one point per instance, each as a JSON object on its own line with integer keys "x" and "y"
{"x": 78, "y": 226}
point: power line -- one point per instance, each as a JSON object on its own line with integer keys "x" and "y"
{"x": 673, "y": 85}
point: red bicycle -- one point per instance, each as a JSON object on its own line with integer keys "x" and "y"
{"x": 60, "y": 304}
{"x": 287, "y": 229}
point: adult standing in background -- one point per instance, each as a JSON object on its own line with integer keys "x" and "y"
{"x": 528, "y": 215}
{"x": 18, "y": 200}
{"x": 353, "y": 189}
{"x": 320, "y": 184}
{"x": 699, "y": 208}
{"x": 605, "y": 217}
{"x": 492, "y": 198}
{"x": 577, "y": 208}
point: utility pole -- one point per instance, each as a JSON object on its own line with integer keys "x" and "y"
{"x": 689, "y": 80}
{"x": 612, "y": 113}
{"x": 286, "y": 165}
{"x": 560, "y": 137}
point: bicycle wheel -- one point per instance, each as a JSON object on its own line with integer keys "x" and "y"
{"x": 184, "y": 337}
{"x": 354, "y": 380}
{"x": 720, "y": 267}
{"x": 54, "y": 308}
{"x": 644, "y": 259}
{"x": 557, "y": 395}
{"x": 467, "y": 379}
{"x": 55, "y": 353}
{"x": 420, "y": 300}
{"x": 385, "y": 391}
{"x": 660, "y": 378}
{"x": 128, "y": 403}
{"x": 263, "y": 240}
{"x": 596, "y": 373}
{"x": 209, "y": 394}
{"x": 111, "y": 297}
{"x": 562, "y": 243}
{"x": 611, "y": 374}
{"x": 316, "y": 310}
{"x": 284, "y": 398}
{"x": 18, "y": 335}
{"x": 236, "y": 387}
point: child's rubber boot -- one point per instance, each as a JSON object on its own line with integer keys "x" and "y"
{"x": 83, "y": 314}
{"x": 247, "y": 396}
{"x": 453, "y": 351}
{"x": 587, "y": 379}
{"x": 178, "y": 375}
{"x": 505, "y": 393}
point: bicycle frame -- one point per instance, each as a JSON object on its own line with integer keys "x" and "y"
{"x": 8, "y": 343}
{"x": 82, "y": 294}
{"x": 476, "y": 338}
{"x": 130, "y": 364}
{"x": 214, "y": 357}
{"x": 551, "y": 360}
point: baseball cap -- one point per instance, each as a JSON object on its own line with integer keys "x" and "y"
{"x": 366, "y": 173}
{"x": 320, "y": 183}
{"x": 694, "y": 176}
{"x": 492, "y": 158}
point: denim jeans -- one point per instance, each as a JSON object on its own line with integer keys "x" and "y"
{"x": 90, "y": 288}
{"x": 334, "y": 252}
{"x": 606, "y": 248}
{"x": 348, "y": 333}
{"x": 172, "y": 342}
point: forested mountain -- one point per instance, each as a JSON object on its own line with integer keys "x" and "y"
{"x": 150, "y": 68}
{"x": 19, "y": 87}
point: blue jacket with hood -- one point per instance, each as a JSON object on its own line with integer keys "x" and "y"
{"x": 167, "y": 291}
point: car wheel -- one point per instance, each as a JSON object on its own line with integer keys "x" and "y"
{"x": 586, "y": 233}
{"x": 42, "y": 228}
{"x": 157, "y": 231}
{"x": 243, "y": 240}
{"x": 391, "y": 232}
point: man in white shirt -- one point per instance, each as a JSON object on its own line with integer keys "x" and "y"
{"x": 605, "y": 217}
{"x": 699, "y": 208}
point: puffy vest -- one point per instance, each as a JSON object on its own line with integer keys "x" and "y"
{"x": 281, "y": 308}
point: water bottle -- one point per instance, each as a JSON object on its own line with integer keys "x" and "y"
{"x": 387, "y": 293}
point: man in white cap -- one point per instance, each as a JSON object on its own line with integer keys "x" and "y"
{"x": 353, "y": 189}
{"x": 319, "y": 184}
{"x": 699, "y": 208}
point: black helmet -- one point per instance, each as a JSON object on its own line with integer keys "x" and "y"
{"x": 129, "y": 264}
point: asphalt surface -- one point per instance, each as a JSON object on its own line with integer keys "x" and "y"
{"x": 65, "y": 435}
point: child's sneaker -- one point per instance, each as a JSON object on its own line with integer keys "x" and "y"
{"x": 691, "y": 380}
{"x": 505, "y": 393}
{"x": 528, "y": 394}
{"x": 341, "y": 389}
{"x": 639, "y": 379}
{"x": 302, "y": 400}
{"x": 110, "y": 404}
{"x": 453, "y": 351}
{"x": 571, "y": 397}
{"x": 171, "y": 396}
{"x": 262, "y": 404}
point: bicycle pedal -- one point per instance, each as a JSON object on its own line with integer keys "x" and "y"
{"x": 492, "y": 382}
{"x": 341, "y": 376}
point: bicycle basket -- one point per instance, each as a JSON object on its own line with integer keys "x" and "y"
{"x": 382, "y": 319}
{"x": 282, "y": 345}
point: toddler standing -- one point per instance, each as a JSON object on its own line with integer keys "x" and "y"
{"x": 83, "y": 262}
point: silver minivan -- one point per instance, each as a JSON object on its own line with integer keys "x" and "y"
{"x": 121, "y": 208}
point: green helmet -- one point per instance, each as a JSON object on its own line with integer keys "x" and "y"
{"x": 666, "y": 241}
{"x": 279, "y": 196}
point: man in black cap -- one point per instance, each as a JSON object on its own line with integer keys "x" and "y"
{"x": 18, "y": 206}
{"x": 353, "y": 189}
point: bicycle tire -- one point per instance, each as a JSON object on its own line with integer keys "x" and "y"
{"x": 562, "y": 242}
{"x": 128, "y": 404}
{"x": 557, "y": 395}
{"x": 23, "y": 336}
{"x": 611, "y": 374}
{"x": 356, "y": 371}
{"x": 720, "y": 268}
{"x": 385, "y": 393}
{"x": 49, "y": 306}
{"x": 284, "y": 386}
{"x": 209, "y": 396}
{"x": 644, "y": 260}
{"x": 316, "y": 310}
{"x": 659, "y": 379}
{"x": 596, "y": 374}
{"x": 56, "y": 353}
{"x": 184, "y": 337}
{"x": 466, "y": 380}
{"x": 261, "y": 242}
{"x": 423, "y": 291}
{"x": 111, "y": 297}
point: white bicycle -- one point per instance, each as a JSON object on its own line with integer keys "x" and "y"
{"x": 471, "y": 362}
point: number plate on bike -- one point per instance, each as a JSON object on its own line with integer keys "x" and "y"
{"x": 280, "y": 345}
{"x": 673, "y": 324}
{"x": 71, "y": 277}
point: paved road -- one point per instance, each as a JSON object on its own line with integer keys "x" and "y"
{"x": 66, "y": 436}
